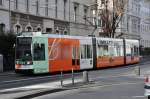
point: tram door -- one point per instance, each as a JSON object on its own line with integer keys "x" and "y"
{"x": 40, "y": 55}
{"x": 86, "y": 55}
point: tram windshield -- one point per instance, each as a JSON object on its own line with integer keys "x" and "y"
{"x": 23, "y": 49}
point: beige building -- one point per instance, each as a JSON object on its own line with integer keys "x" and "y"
{"x": 53, "y": 16}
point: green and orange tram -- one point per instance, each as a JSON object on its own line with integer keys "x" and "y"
{"x": 38, "y": 52}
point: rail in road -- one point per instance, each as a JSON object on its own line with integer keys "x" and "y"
{"x": 51, "y": 87}
{"x": 10, "y": 79}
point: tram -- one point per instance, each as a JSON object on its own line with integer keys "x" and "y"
{"x": 37, "y": 52}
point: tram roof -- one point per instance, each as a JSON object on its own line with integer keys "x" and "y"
{"x": 42, "y": 34}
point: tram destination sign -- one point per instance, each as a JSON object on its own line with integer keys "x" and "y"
{"x": 107, "y": 42}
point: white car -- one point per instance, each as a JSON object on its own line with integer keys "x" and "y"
{"x": 147, "y": 86}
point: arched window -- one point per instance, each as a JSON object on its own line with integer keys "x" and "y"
{"x": 57, "y": 31}
{"x": 28, "y": 28}
{"x": 65, "y": 32}
{"x": 38, "y": 28}
{"x": 17, "y": 28}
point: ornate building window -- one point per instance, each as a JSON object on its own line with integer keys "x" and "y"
{"x": 2, "y": 28}
{"x": 56, "y": 9}
{"x": 29, "y": 28}
{"x": 38, "y": 28}
{"x": 1, "y": 2}
{"x": 17, "y": 28}
{"x": 16, "y": 4}
{"x": 65, "y": 32}
{"x": 37, "y": 7}
{"x": 57, "y": 30}
{"x": 65, "y": 2}
{"x": 46, "y": 7}
{"x": 76, "y": 11}
{"x": 27, "y": 5}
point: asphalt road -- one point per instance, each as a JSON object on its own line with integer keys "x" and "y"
{"x": 112, "y": 88}
{"x": 13, "y": 80}
{"x": 118, "y": 83}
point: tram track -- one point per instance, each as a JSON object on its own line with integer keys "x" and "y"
{"x": 11, "y": 80}
{"x": 32, "y": 80}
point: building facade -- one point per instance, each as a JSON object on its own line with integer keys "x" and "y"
{"x": 145, "y": 24}
{"x": 52, "y": 16}
{"x": 135, "y": 23}
{"x": 130, "y": 23}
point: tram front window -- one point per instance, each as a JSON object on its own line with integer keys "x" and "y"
{"x": 23, "y": 50}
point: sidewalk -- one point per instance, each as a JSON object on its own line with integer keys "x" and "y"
{"x": 7, "y": 73}
{"x": 53, "y": 87}
{"x": 39, "y": 89}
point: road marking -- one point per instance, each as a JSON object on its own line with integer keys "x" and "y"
{"x": 6, "y": 74}
{"x": 138, "y": 96}
{"x": 119, "y": 75}
{"x": 109, "y": 85}
{"x": 11, "y": 81}
{"x": 53, "y": 85}
{"x": 127, "y": 83}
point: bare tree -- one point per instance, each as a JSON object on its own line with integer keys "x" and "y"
{"x": 111, "y": 16}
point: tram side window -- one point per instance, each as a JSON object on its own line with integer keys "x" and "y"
{"x": 136, "y": 51}
{"x": 117, "y": 51}
{"x": 86, "y": 51}
{"x": 128, "y": 50}
{"x": 75, "y": 53}
{"x": 89, "y": 51}
{"x": 112, "y": 51}
{"x": 39, "y": 52}
{"x": 83, "y": 52}
{"x": 102, "y": 50}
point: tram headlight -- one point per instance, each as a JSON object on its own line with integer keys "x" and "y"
{"x": 29, "y": 62}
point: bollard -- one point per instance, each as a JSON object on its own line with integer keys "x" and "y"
{"x": 61, "y": 75}
{"x": 137, "y": 70}
{"x": 85, "y": 77}
{"x": 72, "y": 77}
